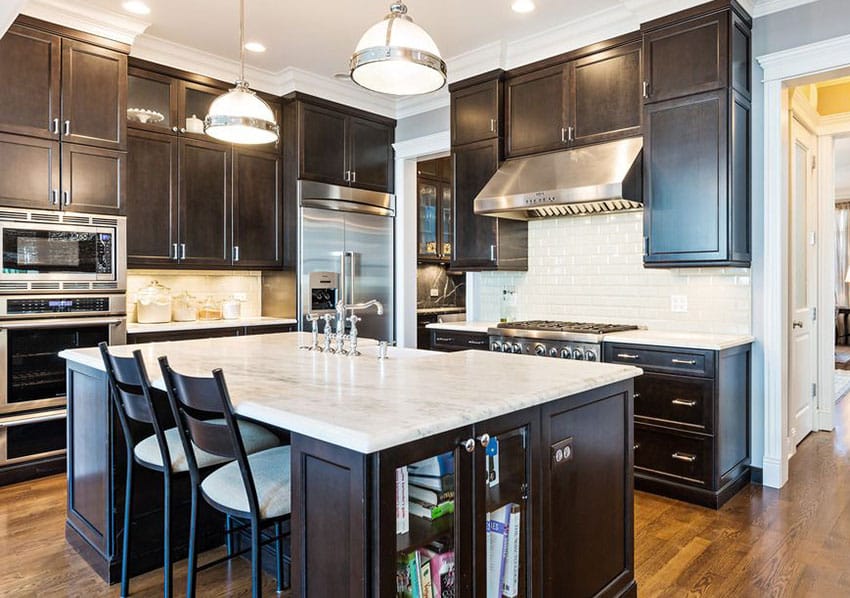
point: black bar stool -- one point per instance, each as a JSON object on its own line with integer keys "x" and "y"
{"x": 133, "y": 398}
{"x": 253, "y": 487}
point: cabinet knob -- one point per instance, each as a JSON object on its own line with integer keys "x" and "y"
{"x": 468, "y": 445}
{"x": 182, "y": 129}
{"x": 484, "y": 439}
{"x": 175, "y": 129}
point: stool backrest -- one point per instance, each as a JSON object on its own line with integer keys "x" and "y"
{"x": 195, "y": 401}
{"x": 133, "y": 399}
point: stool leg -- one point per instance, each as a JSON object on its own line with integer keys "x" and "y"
{"x": 125, "y": 550}
{"x": 256, "y": 559}
{"x": 279, "y": 556}
{"x": 167, "y": 565}
{"x": 192, "y": 564}
{"x": 228, "y": 534}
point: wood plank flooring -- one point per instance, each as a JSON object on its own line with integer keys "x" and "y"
{"x": 794, "y": 542}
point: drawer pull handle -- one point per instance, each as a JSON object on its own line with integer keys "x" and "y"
{"x": 684, "y": 361}
{"x": 477, "y": 343}
{"x": 443, "y": 339}
{"x": 684, "y": 403}
{"x": 636, "y": 446}
{"x": 636, "y": 395}
{"x": 684, "y": 457}
{"x": 627, "y": 356}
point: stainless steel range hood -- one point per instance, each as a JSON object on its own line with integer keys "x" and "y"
{"x": 599, "y": 178}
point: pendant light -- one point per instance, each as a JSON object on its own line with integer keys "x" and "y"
{"x": 240, "y": 115}
{"x": 397, "y": 57}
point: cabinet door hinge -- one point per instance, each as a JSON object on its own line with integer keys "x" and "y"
{"x": 814, "y": 390}
{"x": 524, "y": 490}
{"x": 814, "y": 314}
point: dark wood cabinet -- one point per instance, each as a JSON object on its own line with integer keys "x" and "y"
{"x": 538, "y": 109}
{"x": 476, "y": 111}
{"x": 30, "y": 64}
{"x": 483, "y": 242}
{"x": 697, "y": 145}
{"x": 94, "y": 95}
{"x": 31, "y": 172}
{"x": 606, "y": 91}
{"x": 157, "y": 94}
{"x": 198, "y": 333}
{"x": 205, "y": 194}
{"x": 340, "y": 148}
{"x": 454, "y": 340}
{"x": 692, "y": 420}
{"x": 435, "y": 210}
{"x": 93, "y": 179}
{"x": 257, "y": 219}
{"x": 152, "y": 171}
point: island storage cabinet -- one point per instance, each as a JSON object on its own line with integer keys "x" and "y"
{"x": 692, "y": 420}
{"x": 453, "y": 340}
{"x": 559, "y": 475}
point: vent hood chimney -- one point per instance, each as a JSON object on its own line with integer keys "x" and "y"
{"x": 599, "y": 178}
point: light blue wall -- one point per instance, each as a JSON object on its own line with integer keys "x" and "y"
{"x": 420, "y": 125}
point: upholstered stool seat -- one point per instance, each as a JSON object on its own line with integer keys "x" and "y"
{"x": 147, "y": 452}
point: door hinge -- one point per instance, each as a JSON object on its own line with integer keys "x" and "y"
{"x": 814, "y": 390}
{"x": 814, "y": 162}
{"x": 814, "y": 314}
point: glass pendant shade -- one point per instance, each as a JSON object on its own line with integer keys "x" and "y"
{"x": 397, "y": 57}
{"x": 240, "y": 115}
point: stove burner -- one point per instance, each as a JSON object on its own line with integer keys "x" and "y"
{"x": 575, "y": 327}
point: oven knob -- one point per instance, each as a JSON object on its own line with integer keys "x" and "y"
{"x": 590, "y": 355}
{"x": 553, "y": 352}
{"x": 516, "y": 348}
{"x": 578, "y": 354}
{"x": 566, "y": 354}
{"x": 540, "y": 350}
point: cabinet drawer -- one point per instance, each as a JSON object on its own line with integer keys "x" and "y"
{"x": 676, "y": 456}
{"x": 672, "y": 360}
{"x": 449, "y": 340}
{"x": 680, "y": 400}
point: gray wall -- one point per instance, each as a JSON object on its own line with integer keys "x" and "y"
{"x": 419, "y": 125}
{"x": 806, "y": 24}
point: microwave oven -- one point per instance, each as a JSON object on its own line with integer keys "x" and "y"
{"x": 46, "y": 251}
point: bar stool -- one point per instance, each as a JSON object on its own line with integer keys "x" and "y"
{"x": 133, "y": 398}
{"x": 252, "y": 487}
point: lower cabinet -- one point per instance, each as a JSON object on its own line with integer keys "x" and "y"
{"x": 454, "y": 340}
{"x": 692, "y": 420}
{"x": 542, "y": 507}
{"x": 186, "y": 335}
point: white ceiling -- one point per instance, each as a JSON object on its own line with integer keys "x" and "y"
{"x": 320, "y": 36}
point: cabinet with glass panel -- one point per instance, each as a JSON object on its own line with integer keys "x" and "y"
{"x": 435, "y": 210}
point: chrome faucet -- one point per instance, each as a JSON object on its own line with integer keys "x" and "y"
{"x": 313, "y": 319}
{"x": 341, "y": 308}
{"x": 326, "y": 346}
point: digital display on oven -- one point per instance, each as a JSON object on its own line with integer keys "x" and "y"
{"x": 55, "y": 304}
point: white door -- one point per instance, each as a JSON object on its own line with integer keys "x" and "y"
{"x": 803, "y": 279}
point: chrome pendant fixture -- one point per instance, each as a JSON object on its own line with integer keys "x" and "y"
{"x": 397, "y": 57}
{"x": 241, "y": 116}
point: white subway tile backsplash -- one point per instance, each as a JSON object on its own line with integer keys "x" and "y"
{"x": 591, "y": 268}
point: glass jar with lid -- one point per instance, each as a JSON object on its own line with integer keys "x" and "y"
{"x": 184, "y": 308}
{"x": 153, "y": 304}
{"x": 210, "y": 310}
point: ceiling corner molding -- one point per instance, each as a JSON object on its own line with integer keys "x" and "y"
{"x": 349, "y": 93}
{"x": 763, "y": 8}
{"x": 806, "y": 60}
{"x": 76, "y": 15}
{"x": 161, "y": 51}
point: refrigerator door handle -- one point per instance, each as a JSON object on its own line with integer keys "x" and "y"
{"x": 349, "y": 281}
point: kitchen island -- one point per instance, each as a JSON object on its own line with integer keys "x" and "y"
{"x": 561, "y": 432}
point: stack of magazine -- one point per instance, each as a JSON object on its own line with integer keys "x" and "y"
{"x": 427, "y": 573}
{"x": 431, "y": 490}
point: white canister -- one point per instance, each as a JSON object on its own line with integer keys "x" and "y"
{"x": 194, "y": 124}
{"x": 153, "y": 304}
{"x": 184, "y": 308}
{"x": 231, "y": 309}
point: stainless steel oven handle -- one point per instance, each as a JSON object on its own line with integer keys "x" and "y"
{"x": 61, "y": 323}
{"x": 33, "y": 420}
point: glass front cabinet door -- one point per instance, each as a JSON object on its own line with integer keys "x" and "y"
{"x": 427, "y": 199}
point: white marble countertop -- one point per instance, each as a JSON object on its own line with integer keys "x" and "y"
{"x": 463, "y": 326}
{"x": 136, "y": 328}
{"x": 684, "y": 340}
{"x": 363, "y": 403}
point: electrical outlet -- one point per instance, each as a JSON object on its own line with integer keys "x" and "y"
{"x": 679, "y": 303}
{"x": 240, "y": 296}
{"x": 435, "y": 293}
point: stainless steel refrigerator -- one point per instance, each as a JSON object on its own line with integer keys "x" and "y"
{"x": 346, "y": 252}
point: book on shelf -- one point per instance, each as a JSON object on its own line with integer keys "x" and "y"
{"x": 402, "y": 515}
{"x": 434, "y": 467}
{"x": 413, "y": 571}
{"x": 510, "y": 585}
{"x": 443, "y": 574}
{"x": 429, "y": 511}
{"x": 497, "y": 546}
{"x": 444, "y": 483}
{"x": 426, "y": 495}
{"x": 423, "y": 561}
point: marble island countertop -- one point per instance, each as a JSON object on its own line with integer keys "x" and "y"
{"x": 136, "y": 328}
{"x": 363, "y": 403}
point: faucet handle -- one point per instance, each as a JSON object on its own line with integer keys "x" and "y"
{"x": 354, "y": 318}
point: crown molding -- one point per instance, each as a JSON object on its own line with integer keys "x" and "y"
{"x": 763, "y": 8}
{"x": 76, "y": 15}
{"x": 344, "y": 92}
{"x": 808, "y": 59}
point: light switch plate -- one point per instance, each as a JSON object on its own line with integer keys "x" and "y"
{"x": 679, "y": 303}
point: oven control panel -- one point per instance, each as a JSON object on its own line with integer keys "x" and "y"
{"x": 546, "y": 348}
{"x": 57, "y": 305}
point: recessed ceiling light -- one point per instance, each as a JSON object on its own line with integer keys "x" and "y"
{"x": 255, "y": 47}
{"x": 137, "y": 7}
{"x": 522, "y": 6}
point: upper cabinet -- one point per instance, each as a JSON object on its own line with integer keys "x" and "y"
{"x": 592, "y": 98}
{"x": 435, "y": 209}
{"x": 697, "y": 137}
{"x": 477, "y": 112}
{"x": 341, "y": 147}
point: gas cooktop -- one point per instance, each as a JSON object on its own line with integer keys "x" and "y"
{"x": 567, "y": 327}
{"x": 551, "y": 338}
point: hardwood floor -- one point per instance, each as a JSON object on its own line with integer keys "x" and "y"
{"x": 764, "y": 542}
